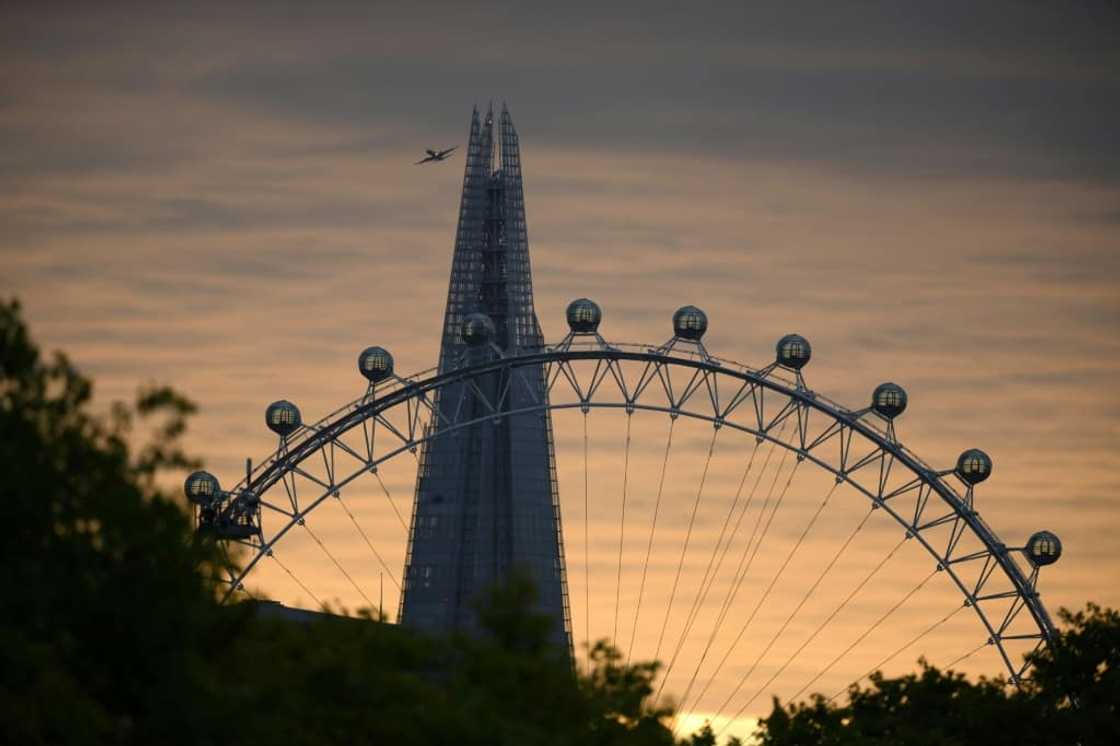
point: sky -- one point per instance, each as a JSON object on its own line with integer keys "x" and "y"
{"x": 223, "y": 197}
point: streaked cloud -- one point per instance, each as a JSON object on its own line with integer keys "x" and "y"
{"x": 226, "y": 201}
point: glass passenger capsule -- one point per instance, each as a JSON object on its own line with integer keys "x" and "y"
{"x": 889, "y": 400}
{"x": 375, "y": 363}
{"x": 689, "y": 322}
{"x": 794, "y": 351}
{"x": 974, "y": 466}
{"x": 584, "y": 316}
{"x": 282, "y": 417}
{"x": 201, "y": 487}
{"x": 1043, "y": 548}
{"x": 477, "y": 329}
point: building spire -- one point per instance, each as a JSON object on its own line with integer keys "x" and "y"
{"x": 481, "y": 513}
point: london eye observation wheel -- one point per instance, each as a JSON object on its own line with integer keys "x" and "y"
{"x": 751, "y": 533}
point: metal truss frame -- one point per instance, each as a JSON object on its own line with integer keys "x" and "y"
{"x": 855, "y": 446}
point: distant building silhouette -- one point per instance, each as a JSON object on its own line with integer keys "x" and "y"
{"x": 486, "y": 497}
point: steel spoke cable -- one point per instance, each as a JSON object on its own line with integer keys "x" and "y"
{"x": 737, "y": 583}
{"x": 879, "y": 666}
{"x": 967, "y": 655}
{"x": 292, "y": 575}
{"x": 723, "y": 555}
{"x": 224, "y": 548}
{"x": 391, "y": 502}
{"x": 708, "y": 580}
{"x": 336, "y": 563}
{"x": 705, "y": 585}
{"x": 752, "y": 547}
{"x": 800, "y": 604}
{"x": 586, "y": 548}
{"x": 680, "y": 565}
{"x": 766, "y": 594}
{"x": 840, "y": 607}
{"x": 739, "y": 521}
{"x": 740, "y": 578}
{"x": 733, "y": 588}
{"x": 368, "y": 542}
{"x": 622, "y": 528}
{"x": 652, "y": 530}
{"x": 235, "y": 585}
{"x": 863, "y": 636}
{"x": 850, "y": 647}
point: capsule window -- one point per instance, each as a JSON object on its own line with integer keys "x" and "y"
{"x": 890, "y": 398}
{"x": 975, "y": 465}
{"x": 1044, "y": 547}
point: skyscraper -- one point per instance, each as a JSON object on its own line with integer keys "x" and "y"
{"x": 486, "y": 496}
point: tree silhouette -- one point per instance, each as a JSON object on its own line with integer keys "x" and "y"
{"x": 1071, "y": 697}
{"x": 110, "y": 631}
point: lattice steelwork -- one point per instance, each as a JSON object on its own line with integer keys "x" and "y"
{"x": 852, "y": 445}
{"x": 487, "y": 503}
{"x": 487, "y": 496}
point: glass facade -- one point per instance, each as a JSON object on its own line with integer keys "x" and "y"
{"x": 487, "y": 506}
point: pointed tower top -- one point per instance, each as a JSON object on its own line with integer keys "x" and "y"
{"x": 490, "y": 270}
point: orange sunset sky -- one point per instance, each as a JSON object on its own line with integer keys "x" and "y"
{"x": 223, "y": 197}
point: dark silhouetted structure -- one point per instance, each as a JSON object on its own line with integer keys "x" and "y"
{"x": 486, "y": 496}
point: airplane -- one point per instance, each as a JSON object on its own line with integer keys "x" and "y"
{"x": 435, "y": 155}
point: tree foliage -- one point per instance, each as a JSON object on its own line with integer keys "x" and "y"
{"x": 110, "y": 631}
{"x": 1070, "y": 698}
{"x": 106, "y": 600}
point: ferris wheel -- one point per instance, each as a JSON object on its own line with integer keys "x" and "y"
{"x": 719, "y": 537}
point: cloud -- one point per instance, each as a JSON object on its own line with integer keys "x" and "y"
{"x": 228, "y": 203}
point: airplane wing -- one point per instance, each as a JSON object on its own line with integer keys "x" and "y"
{"x": 443, "y": 153}
{"x": 429, "y": 158}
